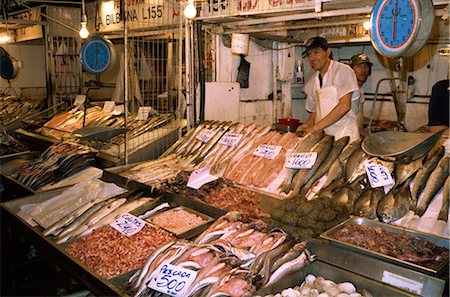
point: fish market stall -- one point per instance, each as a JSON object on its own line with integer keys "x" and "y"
{"x": 146, "y": 135}
{"x": 50, "y": 220}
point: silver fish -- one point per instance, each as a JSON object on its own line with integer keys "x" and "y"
{"x": 404, "y": 171}
{"x": 289, "y": 267}
{"x": 78, "y": 221}
{"x": 322, "y": 148}
{"x": 304, "y": 145}
{"x": 354, "y": 168}
{"x": 366, "y": 204}
{"x": 348, "y": 151}
{"x": 66, "y": 220}
{"x": 443, "y": 213}
{"x": 424, "y": 173}
{"x": 103, "y": 211}
{"x": 347, "y": 195}
{"x": 434, "y": 184}
{"x": 127, "y": 207}
{"x": 336, "y": 150}
{"x": 395, "y": 204}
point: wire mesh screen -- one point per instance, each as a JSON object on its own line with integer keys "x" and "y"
{"x": 153, "y": 72}
{"x": 65, "y": 71}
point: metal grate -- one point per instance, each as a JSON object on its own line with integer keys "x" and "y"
{"x": 64, "y": 71}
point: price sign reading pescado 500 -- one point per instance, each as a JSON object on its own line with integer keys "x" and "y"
{"x": 267, "y": 151}
{"x": 172, "y": 280}
{"x": 128, "y": 224}
{"x": 301, "y": 160}
{"x": 205, "y": 135}
{"x": 230, "y": 139}
{"x": 379, "y": 175}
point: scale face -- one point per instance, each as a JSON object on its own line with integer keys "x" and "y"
{"x": 401, "y": 27}
{"x": 97, "y": 55}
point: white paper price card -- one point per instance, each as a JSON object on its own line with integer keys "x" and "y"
{"x": 143, "y": 113}
{"x": 109, "y": 106}
{"x": 402, "y": 282}
{"x": 379, "y": 175}
{"x": 205, "y": 135}
{"x": 128, "y": 224}
{"x": 172, "y": 280}
{"x": 230, "y": 139}
{"x": 267, "y": 151}
{"x": 119, "y": 109}
{"x": 79, "y": 100}
{"x": 301, "y": 160}
{"x": 200, "y": 177}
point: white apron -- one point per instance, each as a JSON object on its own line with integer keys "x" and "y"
{"x": 326, "y": 99}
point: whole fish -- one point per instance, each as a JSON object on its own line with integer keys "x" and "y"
{"x": 395, "y": 204}
{"x": 289, "y": 267}
{"x": 405, "y": 171}
{"x": 127, "y": 207}
{"x": 348, "y": 151}
{"x": 80, "y": 220}
{"x": 424, "y": 173}
{"x": 304, "y": 145}
{"x": 322, "y": 148}
{"x": 264, "y": 262}
{"x": 434, "y": 184}
{"x": 354, "y": 168}
{"x": 66, "y": 220}
{"x": 366, "y": 204}
{"x": 347, "y": 195}
{"x": 336, "y": 150}
{"x": 443, "y": 213}
{"x": 337, "y": 169}
{"x": 97, "y": 215}
{"x": 329, "y": 190}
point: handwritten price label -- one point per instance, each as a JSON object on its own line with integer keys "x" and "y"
{"x": 267, "y": 151}
{"x": 79, "y": 100}
{"x": 143, "y": 113}
{"x": 205, "y": 135}
{"x": 379, "y": 175}
{"x": 119, "y": 109}
{"x": 301, "y": 160}
{"x": 172, "y": 280}
{"x": 128, "y": 224}
{"x": 109, "y": 106}
{"x": 230, "y": 139}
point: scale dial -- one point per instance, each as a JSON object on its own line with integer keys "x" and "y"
{"x": 97, "y": 55}
{"x": 401, "y": 27}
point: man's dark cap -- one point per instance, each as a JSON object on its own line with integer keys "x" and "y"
{"x": 359, "y": 59}
{"x": 316, "y": 42}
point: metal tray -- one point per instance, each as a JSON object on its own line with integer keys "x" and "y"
{"x": 194, "y": 231}
{"x": 438, "y": 241}
{"x": 338, "y": 275}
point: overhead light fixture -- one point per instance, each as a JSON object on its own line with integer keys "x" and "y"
{"x": 366, "y": 25}
{"x": 190, "y": 11}
{"x": 84, "y": 33}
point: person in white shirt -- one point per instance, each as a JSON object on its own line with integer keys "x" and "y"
{"x": 329, "y": 93}
{"x": 362, "y": 66}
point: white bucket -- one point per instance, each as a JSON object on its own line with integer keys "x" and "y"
{"x": 239, "y": 44}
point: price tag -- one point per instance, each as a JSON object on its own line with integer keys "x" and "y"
{"x": 143, "y": 113}
{"x": 200, "y": 177}
{"x": 79, "y": 100}
{"x": 205, "y": 135}
{"x": 109, "y": 106}
{"x": 267, "y": 151}
{"x": 402, "y": 282}
{"x": 172, "y": 280}
{"x": 301, "y": 160}
{"x": 119, "y": 109}
{"x": 379, "y": 175}
{"x": 230, "y": 139}
{"x": 128, "y": 224}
